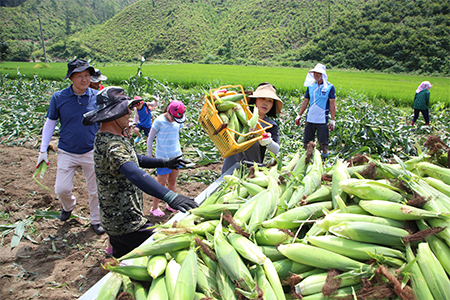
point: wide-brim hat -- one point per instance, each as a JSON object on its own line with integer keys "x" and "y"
{"x": 97, "y": 77}
{"x": 78, "y": 65}
{"x": 176, "y": 109}
{"x": 112, "y": 103}
{"x": 268, "y": 91}
{"x": 319, "y": 68}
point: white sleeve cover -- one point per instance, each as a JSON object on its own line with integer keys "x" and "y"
{"x": 150, "y": 139}
{"x": 136, "y": 116}
{"x": 273, "y": 147}
{"x": 47, "y": 133}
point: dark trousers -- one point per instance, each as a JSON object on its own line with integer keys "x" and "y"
{"x": 425, "y": 114}
{"x": 124, "y": 244}
{"x": 322, "y": 135}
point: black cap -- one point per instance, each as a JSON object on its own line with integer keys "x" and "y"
{"x": 78, "y": 65}
{"x": 112, "y": 103}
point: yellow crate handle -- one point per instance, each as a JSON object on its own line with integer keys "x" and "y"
{"x": 253, "y": 132}
{"x": 214, "y": 96}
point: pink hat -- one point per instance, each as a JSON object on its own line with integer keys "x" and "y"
{"x": 176, "y": 109}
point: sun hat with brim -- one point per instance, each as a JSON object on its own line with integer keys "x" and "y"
{"x": 319, "y": 68}
{"x": 268, "y": 91}
{"x": 97, "y": 77}
{"x": 78, "y": 65}
{"x": 176, "y": 109}
{"x": 112, "y": 103}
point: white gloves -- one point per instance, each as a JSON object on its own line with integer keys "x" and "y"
{"x": 43, "y": 156}
{"x": 298, "y": 120}
{"x": 266, "y": 140}
{"x": 332, "y": 125}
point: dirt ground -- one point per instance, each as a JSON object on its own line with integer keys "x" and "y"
{"x": 55, "y": 260}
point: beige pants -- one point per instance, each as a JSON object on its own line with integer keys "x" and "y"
{"x": 67, "y": 164}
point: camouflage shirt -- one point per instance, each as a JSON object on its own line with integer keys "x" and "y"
{"x": 121, "y": 202}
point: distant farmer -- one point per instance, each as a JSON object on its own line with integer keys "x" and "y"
{"x": 320, "y": 99}
{"x": 120, "y": 178}
{"x": 76, "y": 142}
{"x": 96, "y": 80}
{"x": 143, "y": 117}
{"x": 421, "y": 102}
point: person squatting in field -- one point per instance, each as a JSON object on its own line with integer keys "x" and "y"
{"x": 76, "y": 142}
{"x": 320, "y": 99}
{"x": 166, "y": 129}
{"x": 421, "y": 102}
{"x": 120, "y": 179}
{"x": 269, "y": 104}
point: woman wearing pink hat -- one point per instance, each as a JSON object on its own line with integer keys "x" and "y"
{"x": 421, "y": 102}
{"x": 166, "y": 129}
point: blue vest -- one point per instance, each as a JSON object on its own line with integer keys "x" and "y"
{"x": 145, "y": 116}
{"x": 319, "y": 104}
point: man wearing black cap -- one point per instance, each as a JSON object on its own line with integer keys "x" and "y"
{"x": 120, "y": 179}
{"x": 76, "y": 142}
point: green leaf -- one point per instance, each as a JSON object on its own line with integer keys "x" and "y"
{"x": 18, "y": 234}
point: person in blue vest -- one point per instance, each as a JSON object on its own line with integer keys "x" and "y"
{"x": 76, "y": 142}
{"x": 320, "y": 99}
{"x": 143, "y": 117}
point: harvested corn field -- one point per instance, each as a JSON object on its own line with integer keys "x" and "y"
{"x": 294, "y": 236}
{"x": 43, "y": 258}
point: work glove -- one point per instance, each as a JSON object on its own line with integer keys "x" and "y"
{"x": 266, "y": 140}
{"x": 174, "y": 163}
{"x": 183, "y": 203}
{"x": 43, "y": 156}
{"x": 298, "y": 120}
{"x": 332, "y": 125}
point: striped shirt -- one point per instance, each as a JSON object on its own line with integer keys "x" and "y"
{"x": 167, "y": 137}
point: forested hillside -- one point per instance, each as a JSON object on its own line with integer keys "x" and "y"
{"x": 214, "y": 29}
{"x": 395, "y": 36}
{"x": 401, "y": 36}
{"x": 60, "y": 18}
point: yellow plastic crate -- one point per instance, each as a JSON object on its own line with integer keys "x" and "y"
{"x": 223, "y": 140}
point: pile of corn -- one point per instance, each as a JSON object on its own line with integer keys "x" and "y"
{"x": 234, "y": 114}
{"x": 277, "y": 234}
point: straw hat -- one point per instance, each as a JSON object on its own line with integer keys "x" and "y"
{"x": 268, "y": 91}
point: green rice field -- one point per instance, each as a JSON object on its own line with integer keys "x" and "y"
{"x": 396, "y": 89}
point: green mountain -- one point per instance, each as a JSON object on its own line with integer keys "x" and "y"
{"x": 399, "y": 36}
{"x": 19, "y": 22}
{"x": 195, "y": 30}
{"x": 389, "y": 35}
